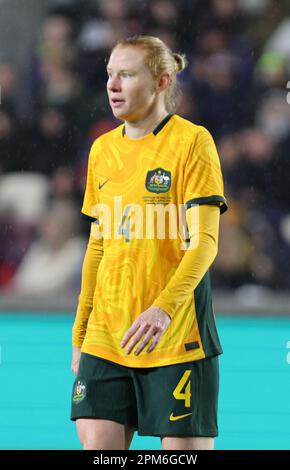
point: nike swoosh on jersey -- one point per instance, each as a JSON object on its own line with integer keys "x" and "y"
{"x": 103, "y": 184}
{"x": 175, "y": 418}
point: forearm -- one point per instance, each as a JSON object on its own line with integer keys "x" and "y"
{"x": 92, "y": 259}
{"x": 195, "y": 262}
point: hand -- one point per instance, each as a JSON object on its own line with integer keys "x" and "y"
{"x": 152, "y": 323}
{"x": 76, "y": 354}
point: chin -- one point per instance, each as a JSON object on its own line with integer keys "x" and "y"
{"x": 119, "y": 114}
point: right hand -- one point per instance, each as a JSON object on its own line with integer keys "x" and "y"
{"x": 76, "y": 354}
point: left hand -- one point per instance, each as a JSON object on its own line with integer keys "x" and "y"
{"x": 153, "y": 322}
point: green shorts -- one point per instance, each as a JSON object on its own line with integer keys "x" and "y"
{"x": 176, "y": 400}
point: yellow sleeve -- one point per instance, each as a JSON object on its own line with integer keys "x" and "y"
{"x": 203, "y": 180}
{"x": 92, "y": 259}
{"x": 203, "y": 229}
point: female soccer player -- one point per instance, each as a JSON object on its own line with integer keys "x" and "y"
{"x": 145, "y": 344}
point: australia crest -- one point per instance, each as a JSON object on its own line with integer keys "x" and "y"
{"x": 158, "y": 181}
{"x": 79, "y": 391}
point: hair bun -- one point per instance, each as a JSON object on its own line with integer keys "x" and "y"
{"x": 180, "y": 61}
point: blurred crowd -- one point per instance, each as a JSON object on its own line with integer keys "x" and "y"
{"x": 55, "y": 106}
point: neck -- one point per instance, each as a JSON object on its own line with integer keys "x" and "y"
{"x": 138, "y": 129}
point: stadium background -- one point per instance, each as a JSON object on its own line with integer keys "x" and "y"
{"x": 53, "y": 105}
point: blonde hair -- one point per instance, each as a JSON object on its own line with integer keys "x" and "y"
{"x": 159, "y": 58}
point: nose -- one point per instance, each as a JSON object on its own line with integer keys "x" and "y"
{"x": 114, "y": 84}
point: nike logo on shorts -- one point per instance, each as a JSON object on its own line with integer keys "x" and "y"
{"x": 103, "y": 184}
{"x": 175, "y": 418}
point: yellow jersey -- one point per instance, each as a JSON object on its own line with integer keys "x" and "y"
{"x": 136, "y": 189}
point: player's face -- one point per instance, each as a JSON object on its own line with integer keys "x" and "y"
{"x": 130, "y": 86}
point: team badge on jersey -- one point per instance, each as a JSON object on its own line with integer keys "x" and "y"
{"x": 158, "y": 181}
{"x": 79, "y": 392}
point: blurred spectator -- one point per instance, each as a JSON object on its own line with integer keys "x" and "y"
{"x": 52, "y": 142}
{"x": 57, "y": 254}
{"x": 232, "y": 266}
{"x": 15, "y": 238}
{"x": 23, "y": 199}
{"x": 272, "y": 71}
{"x": 63, "y": 186}
{"x": 14, "y": 154}
{"x": 264, "y": 256}
{"x": 187, "y": 105}
{"x": 273, "y": 115}
{"x": 9, "y": 84}
{"x": 229, "y": 147}
{"x": 254, "y": 168}
{"x": 106, "y": 25}
{"x": 49, "y": 71}
{"x": 280, "y": 172}
{"x": 221, "y": 72}
{"x": 166, "y": 34}
{"x": 163, "y": 14}
{"x": 23, "y": 195}
{"x": 263, "y": 18}
{"x": 228, "y": 15}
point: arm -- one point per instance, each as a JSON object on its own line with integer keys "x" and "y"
{"x": 196, "y": 260}
{"x": 193, "y": 266}
{"x": 204, "y": 197}
{"x": 92, "y": 259}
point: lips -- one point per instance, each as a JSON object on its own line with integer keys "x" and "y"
{"x": 116, "y": 101}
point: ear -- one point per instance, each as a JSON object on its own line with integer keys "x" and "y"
{"x": 163, "y": 82}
